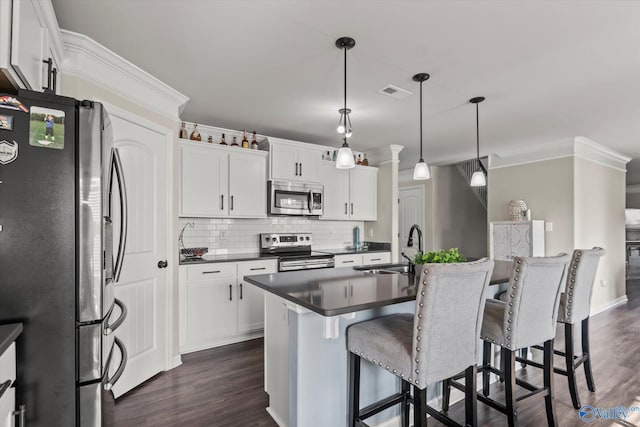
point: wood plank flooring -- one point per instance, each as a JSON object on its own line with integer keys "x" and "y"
{"x": 224, "y": 386}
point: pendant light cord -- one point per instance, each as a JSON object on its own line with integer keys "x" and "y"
{"x": 477, "y": 134}
{"x": 421, "y": 159}
{"x": 345, "y": 89}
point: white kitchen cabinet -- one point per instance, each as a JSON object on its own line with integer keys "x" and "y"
{"x": 24, "y": 43}
{"x": 509, "y": 239}
{"x": 8, "y": 373}
{"x": 222, "y": 181}
{"x": 348, "y": 260}
{"x": 376, "y": 258}
{"x": 356, "y": 260}
{"x": 294, "y": 161}
{"x": 349, "y": 194}
{"x": 217, "y": 306}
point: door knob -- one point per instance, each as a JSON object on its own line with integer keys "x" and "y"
{"x": 162, "y": 264}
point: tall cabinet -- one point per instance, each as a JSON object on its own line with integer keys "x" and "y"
{"x": 508, "y": 239}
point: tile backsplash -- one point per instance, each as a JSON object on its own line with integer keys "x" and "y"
{"x": 226, "y": 235}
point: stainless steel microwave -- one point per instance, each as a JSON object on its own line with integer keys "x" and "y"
{"x": 294, "y": 198}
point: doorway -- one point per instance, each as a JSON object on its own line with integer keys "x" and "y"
{"x": 410, "y": 211}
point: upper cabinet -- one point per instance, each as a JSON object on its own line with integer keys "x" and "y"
{"x": 349, "y": 194}
{"x": 219, "y": 181}
{"x": 26, "y": 55}
{"x": 293, "y": 161}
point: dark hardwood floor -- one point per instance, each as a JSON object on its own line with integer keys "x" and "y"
{"x": 224, "y": 386}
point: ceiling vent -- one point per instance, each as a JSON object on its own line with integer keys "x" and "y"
{"x": 395, "y": 92}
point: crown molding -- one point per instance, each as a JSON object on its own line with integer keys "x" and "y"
{"x": 633, "y": 189}
{"x": 385, "y": 154}
{"x": 89, "y": 60}
{"x": 578, "y": 146}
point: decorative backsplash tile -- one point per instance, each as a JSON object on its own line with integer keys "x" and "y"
{"x": 225, "y": 235}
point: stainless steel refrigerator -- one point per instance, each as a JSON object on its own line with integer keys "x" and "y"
{"x": 62, "y": 193}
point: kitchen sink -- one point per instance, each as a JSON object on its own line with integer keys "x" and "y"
{"x": 384, "y": 269}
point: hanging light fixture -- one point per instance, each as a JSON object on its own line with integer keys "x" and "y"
{"x": 421, "y": 171}
{"x": 344, "y": 159}
{"x": 479, "y": 177}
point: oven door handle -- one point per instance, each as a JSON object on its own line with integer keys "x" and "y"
{"x": 309, "y": 197}
{"x": 123, "y": 364}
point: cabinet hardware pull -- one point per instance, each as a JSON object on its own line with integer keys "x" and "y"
{"x": 258, "y": 268}
{"x": 345, "y": 208}
{"x": 49, "y": 63}
{"x": 376, "y": 259}
{"x": 211, "y": 272}
{"x": 300, "y": 169}
{"x": 351, "y": 208}
{"x": 222, "y": 202}
{"x": 296, "y": 168}
{"x": 231, "y": 202}
{"x": 230, "y": 295}
{"x": 240, "y": 290}
{"x": 351, "y": 291}
{"x": 345, "y": 291}
{"x": 347, "y": 262}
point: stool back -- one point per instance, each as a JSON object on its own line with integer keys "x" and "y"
{"x": 532, "y": 300}
{"x": 449, "y": 308}
{"x": 579, "y": 285}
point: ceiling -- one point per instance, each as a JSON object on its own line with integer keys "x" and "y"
{"x": 550, "y": 70}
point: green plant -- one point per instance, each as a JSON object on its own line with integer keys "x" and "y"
{"x": 441, "y": 256}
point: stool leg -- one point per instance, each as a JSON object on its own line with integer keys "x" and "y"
{"x": 524, "y": 353}
{"x": 419, "y": 407}
{"x": 509, "y": 358}
{"x": 446, "y": 393}
{"x": 470, "y": 400}
{"x": 587, "y": 353}
{"x": 571, "y": 368}
{"x": 548, "y": 383}
{"x": 486, "y": 357}
{"x": 405, "y": 408}
{"x": 353, "y": 406}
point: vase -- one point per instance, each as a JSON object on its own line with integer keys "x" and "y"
{"x": 517, "y": 210}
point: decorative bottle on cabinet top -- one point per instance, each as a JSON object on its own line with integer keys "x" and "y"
{"x": 222, "y": 141}
{"x": 245, "y": 141}
{"x": 234, "y": 142}
{"x": 365, "y": 162}
{"x": 183, "y": 131}
{"x": 254, "y": 141}
{"x": 195, "y": 135}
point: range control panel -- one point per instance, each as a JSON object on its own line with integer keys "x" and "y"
{"x": 284, "y": 240}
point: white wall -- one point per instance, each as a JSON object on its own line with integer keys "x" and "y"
{"x": 633, "y": 200}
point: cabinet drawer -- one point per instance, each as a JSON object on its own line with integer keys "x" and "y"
{"x": 8, "y": 364}
{"x": 376, "y": 258}
{"x": 348, "y": 260}
{"x": 248, "y": 268}
{"x": 211, "y": 271}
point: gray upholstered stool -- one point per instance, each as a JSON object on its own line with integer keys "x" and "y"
{"x": 574, "y": 307}
{"x": 436, "y": 342}
{"x": 526, "y": 318}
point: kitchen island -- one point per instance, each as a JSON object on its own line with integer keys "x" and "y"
{"x": 306, "y": 316}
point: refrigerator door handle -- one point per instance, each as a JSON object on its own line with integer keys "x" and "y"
{"x": 123, "y": 315}
{"x": 123, "y": 363}
{"x": 116, "y": 165}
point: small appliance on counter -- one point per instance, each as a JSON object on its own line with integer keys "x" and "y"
{"x": 294, "y": 251}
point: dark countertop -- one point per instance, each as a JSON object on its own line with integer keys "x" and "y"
{"x": 335, "y": 291}
{"x": 346, "y": 251}
{"x": 249, "y": 256}
{"x": 8, "y": 334}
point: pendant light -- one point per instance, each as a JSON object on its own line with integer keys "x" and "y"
{"x": 344, "y": 159}
{"x": 479, "y": 177}
{"x": 421, "y": 171}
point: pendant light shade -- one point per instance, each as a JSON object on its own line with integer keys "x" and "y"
{"x": 344, "y": 159}
{"x": 421, "y": 170}
{"x": 479, "y": 177}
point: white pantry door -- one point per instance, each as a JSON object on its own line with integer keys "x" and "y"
{"x": 142, "y": 285}
{"x": 410, "y": 211}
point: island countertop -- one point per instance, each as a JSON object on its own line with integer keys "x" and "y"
{"x": 337, "y": 291}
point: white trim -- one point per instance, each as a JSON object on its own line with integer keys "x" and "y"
{"x": 578, "y": 146}
{"x": 633, "y": 189}
{"x": 405, "y": 176}
{"x": 175, "y": 362}
{"x": 276, "y": 418}
{"x": 44, "y": 8}
{"x": 89, "y": 60}
{"x": 611, "y": 304}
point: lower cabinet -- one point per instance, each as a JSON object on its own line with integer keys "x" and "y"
{"x": 8, "y": 374}
{"x": 356, "y": 260}
{"x": 217, "y": 306}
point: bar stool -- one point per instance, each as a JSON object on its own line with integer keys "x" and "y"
{"x": 574, "y": 307}
{"x": 436, "y": 342}
{"x": 527, "y": 317}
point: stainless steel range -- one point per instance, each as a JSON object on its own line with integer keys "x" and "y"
{"x": 294, "y": 250}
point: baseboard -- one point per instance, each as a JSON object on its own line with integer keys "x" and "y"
{"x": 275, "y": 417}
{"x": 613, "y": 304}
{"x": 175, "y": 361}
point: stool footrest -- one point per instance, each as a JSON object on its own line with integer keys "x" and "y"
{"x": 381, "y": 405}
{"x": 493, "y": 403}
{"x": 533, "y": 393}
{"x": 441, "y": 417}
{"x": 530, "y": 362}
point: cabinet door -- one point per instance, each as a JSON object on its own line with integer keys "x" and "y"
{"x": 7, "y": 406}
{"x": 501, "y": 237}
{"x": 334, "y": 294}
{"x": 204, "y": 182}
{"x": 28, "y": 40}
{"x": 336, "y": 192}
{"x": 363, "y": 193}
{"x": 247, "y": 185}
{"x": 211, "y": 312}
{"x": 309, "y": 164}
{"x": 250, "y": 297}
{"x": 284, "y": 162}
{"x": 351, "y": 260}
{"x": 521, "y": 239}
